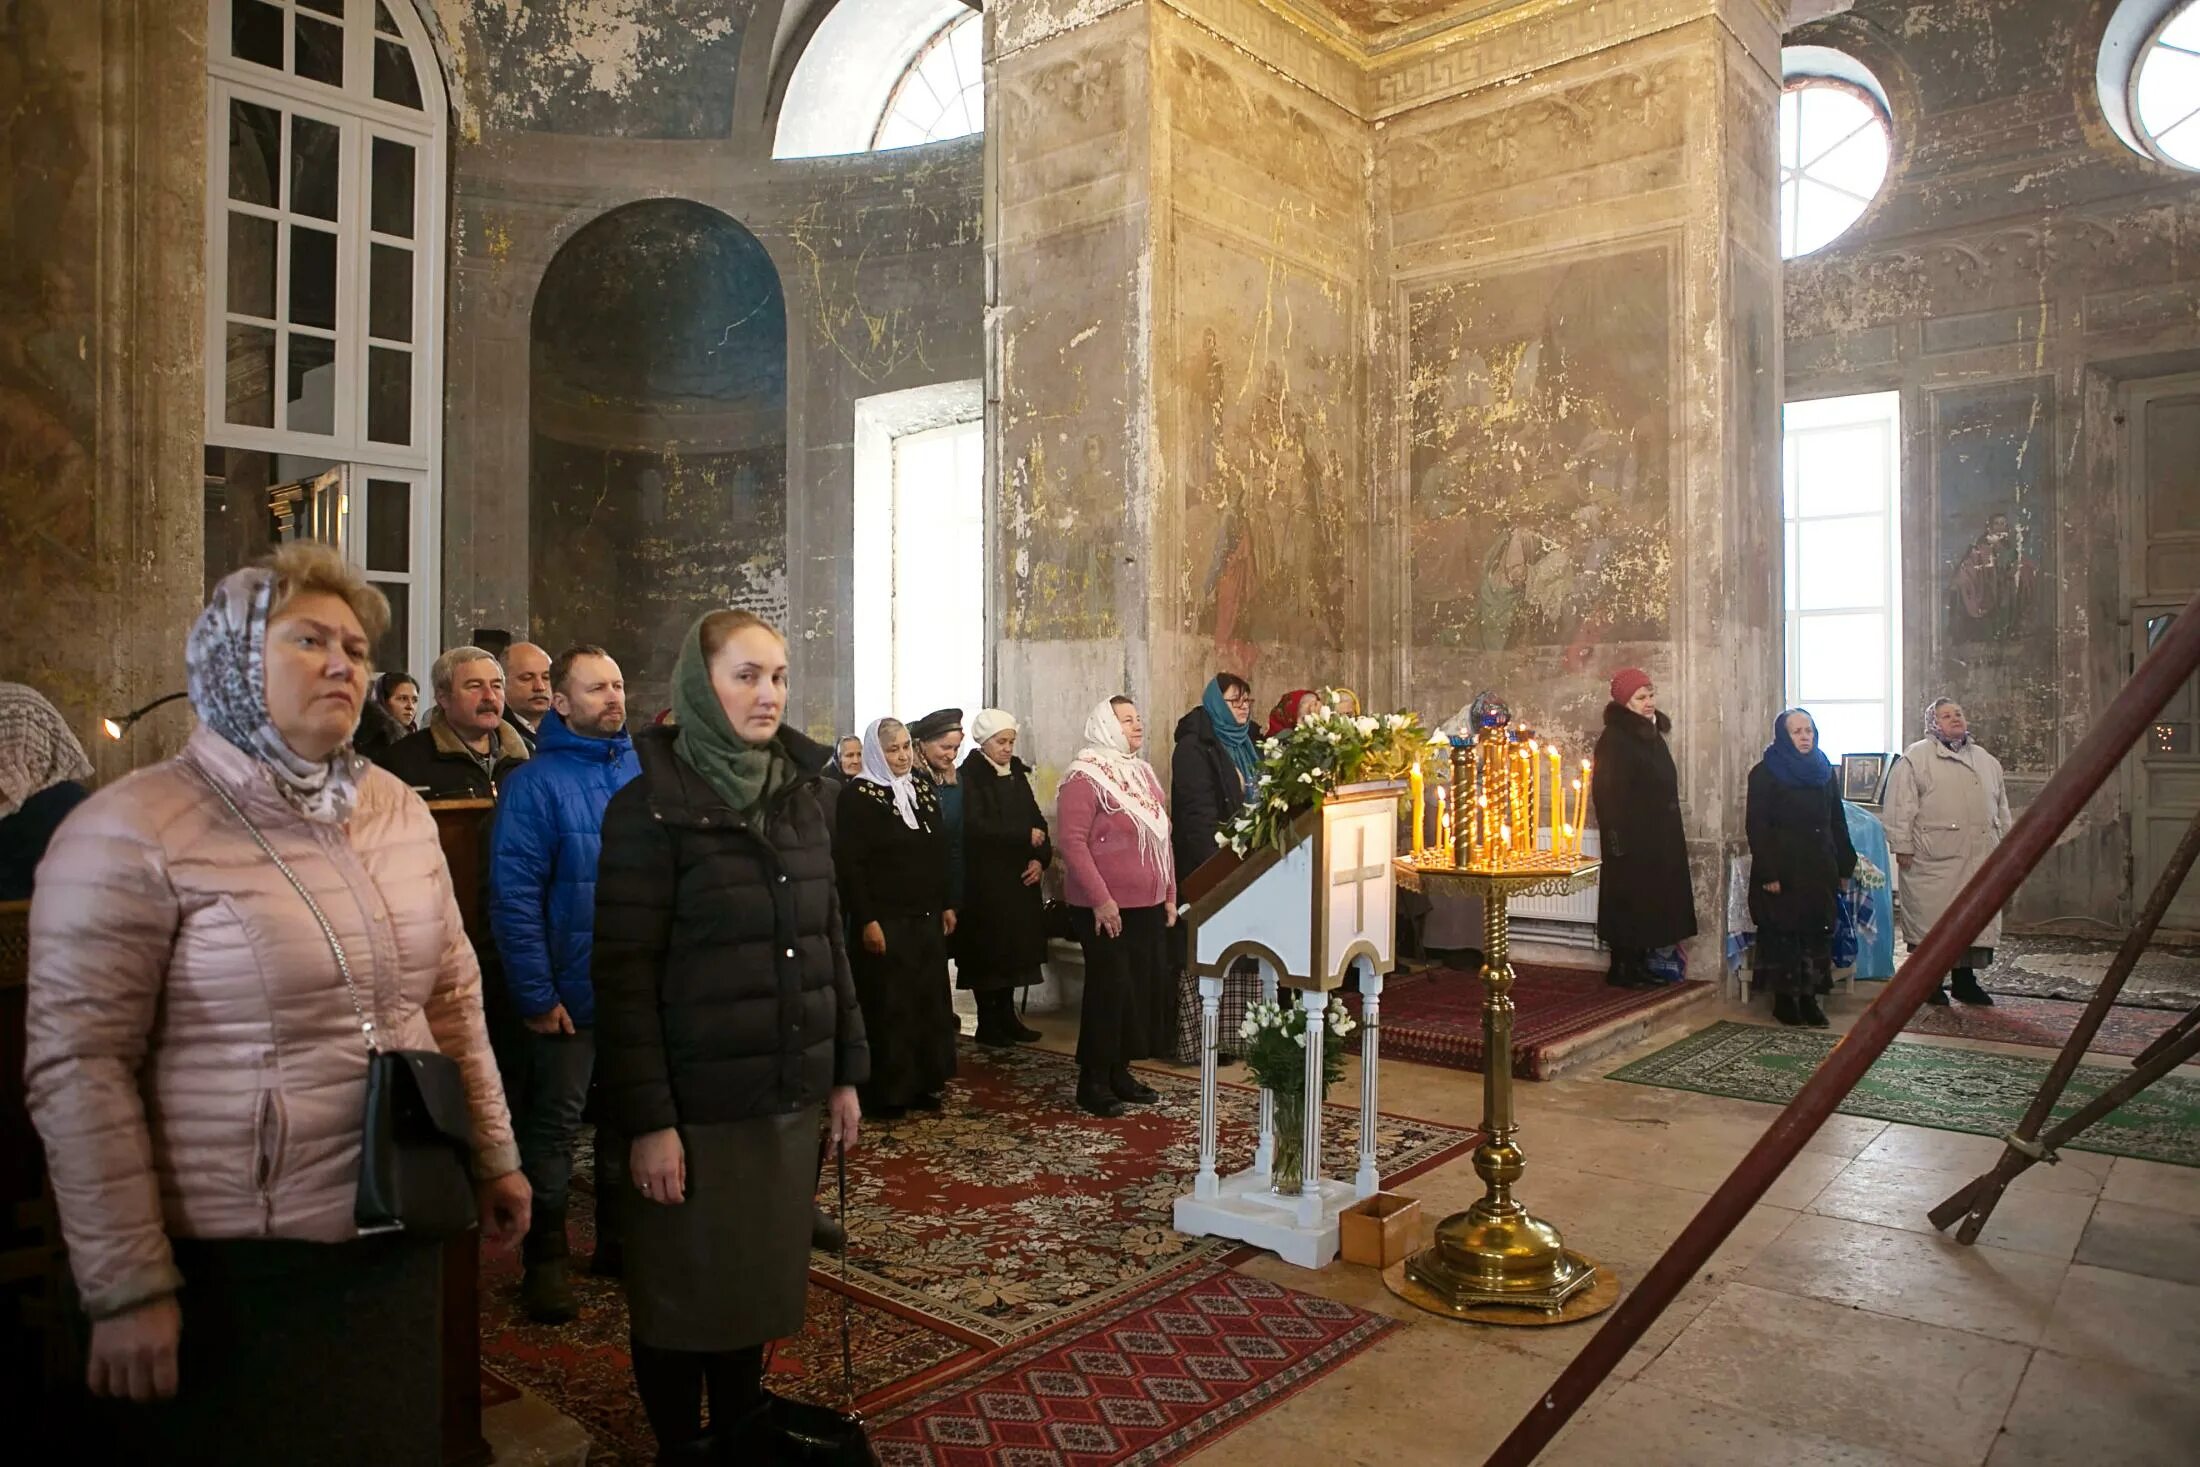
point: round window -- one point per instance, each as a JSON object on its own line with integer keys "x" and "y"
{"x": 1834, "y": 147}
{"x": 2165, "y": 90}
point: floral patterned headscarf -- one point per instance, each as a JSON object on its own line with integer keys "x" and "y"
{"x": 227, "y": 658}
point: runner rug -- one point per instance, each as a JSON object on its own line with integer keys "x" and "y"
{"x": 1927, "y": 1085}
{"x": 1008, "y": 1217}
{"x": 1145, "y": 1381}
{"x": 2044, "y": 1023}
{"x": 1435, "y": 1017}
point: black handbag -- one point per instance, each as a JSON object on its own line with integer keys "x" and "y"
{"x": 416, "y": 1148}
{"x": 824, "y": 1436}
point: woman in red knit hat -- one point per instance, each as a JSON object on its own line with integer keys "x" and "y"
{"x": 1644, "y": 901}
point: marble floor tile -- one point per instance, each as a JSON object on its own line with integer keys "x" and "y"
{"x": 2081, "y": 1413}
{"x": 1960, "y": 1151}
{"x": 2154, "y": 1241}
{"x": 1933, "y": 1280}
{"x": 2128, "y": 1320}
{"x": 2029, "y": 1220}
{"x": 1900, "y": 1387}
{"x": 2154, "y": 1184}
{"x": 1637, "y": 1426}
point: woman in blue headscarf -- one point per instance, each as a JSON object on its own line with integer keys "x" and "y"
{"x": 1799, "y": 858}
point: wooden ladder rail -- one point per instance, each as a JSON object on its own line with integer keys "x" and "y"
{"x": 2173, "y": 660}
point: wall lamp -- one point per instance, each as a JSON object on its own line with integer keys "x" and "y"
{"x": 117, "y": 727}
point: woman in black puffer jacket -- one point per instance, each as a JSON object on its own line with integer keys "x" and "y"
{"x": 725, "y": 1021}
{"x": 1644, "y": 901}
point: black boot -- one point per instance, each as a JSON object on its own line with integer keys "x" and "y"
{"x": 1812, "y": 1014}
{"x": 1024, "y": 1033}
{"x": 700, "y": 1451}
{"x": 1127, "y": 1087}
{"x": 1967, "y": 990}
{"x": 546, "y": 1292}
{"x": 1938, "y": 998}
{"x": 826, "y": 1234}
{"x": 609, "y": 1259}
{"x": 1095, "y": 1096}
{"x": 995, "y": 1029}
{"x": 1785, "y": 1010}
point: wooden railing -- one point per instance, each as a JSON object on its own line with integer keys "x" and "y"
{"x": 2127, "y": 719}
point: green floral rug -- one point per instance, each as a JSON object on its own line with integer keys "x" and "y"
{"x": 1927, "y": 1085}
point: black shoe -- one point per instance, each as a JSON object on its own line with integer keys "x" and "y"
{"x": 826, "y": 1234}
{"x": 697, "y": 1452}
{"x": 608, "y": 1261}
{"x": 1938, "y": 998}
{"x": 1784, "y": 1009}
{"x": 1966, "y": 989}
{"x": 927, "y": 1101}
{"x": 995, "y": 1038}
{"x": 1812, "y": 1014}
{"x": 1095, "y": 1098}
{"x": 883, "y": 1112}
{"x": 546, "y": 1292}
{"x": 1024, "y": 1033}
{"x": 1127, "y": 1087}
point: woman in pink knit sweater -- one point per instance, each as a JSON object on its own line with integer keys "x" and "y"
{"x": 1112, "y": 829}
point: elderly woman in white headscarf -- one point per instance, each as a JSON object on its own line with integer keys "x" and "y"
{"x": 1000, "y": 930}
{"x": 199, "y": 1031}
{"x": 1120, "y": 881}
{"x": 1946, "y": 809}
{"x": 43, "y": 776}
{"x": 890, "y": 853}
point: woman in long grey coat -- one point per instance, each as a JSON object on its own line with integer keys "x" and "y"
{"x": 1947, "y": 807}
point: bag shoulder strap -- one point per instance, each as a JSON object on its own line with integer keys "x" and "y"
{"x": 343, "y": 965}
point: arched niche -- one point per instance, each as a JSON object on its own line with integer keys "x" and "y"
{"x": 658, "y": 425}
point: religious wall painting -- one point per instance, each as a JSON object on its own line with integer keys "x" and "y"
{"x": 1993, "y": 454}
{"x": 1540, "y": 413}
{"x": 1066, "y": 526}
{"x": 1269, "y": 453}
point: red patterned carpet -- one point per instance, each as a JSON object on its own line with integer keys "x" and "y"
{"x": 1009, "y": 1217}
{"x": 2043, "y": 1023}
{"x": 1143, "y": 1382}
{"x": 1435, "y": 1017}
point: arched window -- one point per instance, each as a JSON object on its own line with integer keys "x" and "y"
{"x": 1834, "y": 147}
{"x": 884, "y": 74}
{"x": 942, "y": 93}
{"x": 2165, "y": 89}
{"x": 324, "y": 227}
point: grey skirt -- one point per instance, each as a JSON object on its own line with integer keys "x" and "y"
{"x": 728, "y": 1267}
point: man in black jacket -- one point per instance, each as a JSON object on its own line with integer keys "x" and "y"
{"x": 467, "y": 748}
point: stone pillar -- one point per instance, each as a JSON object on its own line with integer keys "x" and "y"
{"x": 102, "y": 322}
{"x": 1585, "y": 275}
{"x": 1178, "y": 366}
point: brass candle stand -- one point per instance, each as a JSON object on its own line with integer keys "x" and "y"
{"x": 1496, "y": 1256}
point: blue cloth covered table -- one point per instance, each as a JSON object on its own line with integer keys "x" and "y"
{"x": 1875, "y": 939}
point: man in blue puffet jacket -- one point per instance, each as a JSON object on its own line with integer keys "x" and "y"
{"x": 542, "y": 907}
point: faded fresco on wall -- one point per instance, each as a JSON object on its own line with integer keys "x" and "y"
{"x": 659, "y": 441}
{"x": 608, "y": 68}
{"x": 1539, "y": 405}
{"x": 1268, "y": 464}
{"x": 1993, "y": 498}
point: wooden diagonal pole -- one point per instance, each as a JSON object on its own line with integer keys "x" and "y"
{"x": 2169, "y": 1037}
{"x": 1974, "y": 1202}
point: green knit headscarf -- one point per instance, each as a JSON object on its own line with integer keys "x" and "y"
{"x": 744, "y": 774}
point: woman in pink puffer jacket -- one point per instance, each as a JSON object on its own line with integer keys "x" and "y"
{"x": 197, "y": 1069}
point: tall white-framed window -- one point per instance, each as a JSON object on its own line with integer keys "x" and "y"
{"x": 919, "y": 552}
{"x": 1841, "y": 506}
{"x": 324, "y": 226}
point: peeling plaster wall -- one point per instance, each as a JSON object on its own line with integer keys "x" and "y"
{"x": 877, "y": 254}
{"x": 102, "y": 281}
{"x": 2021, "y": 267}
{"x": 1583, "y": 332}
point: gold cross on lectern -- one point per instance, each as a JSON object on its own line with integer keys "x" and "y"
{"x": 1357, "y": 877}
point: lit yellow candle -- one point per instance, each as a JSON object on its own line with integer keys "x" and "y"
{"x": 1581, "y": 805}
{"x": 1415, "y": 789}
{"x": 1558, "y": 801}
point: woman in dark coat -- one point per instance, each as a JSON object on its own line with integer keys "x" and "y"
{"x": 1000, "y": 929}
{"x": 1215, "y": 767}
{"x": 389, "y": 713}
{"x": 1799, "y": 857}
{"x": 1644, "y": 901}
{"x": 892, "y": 858}
{"x": 725, "y": 1021}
